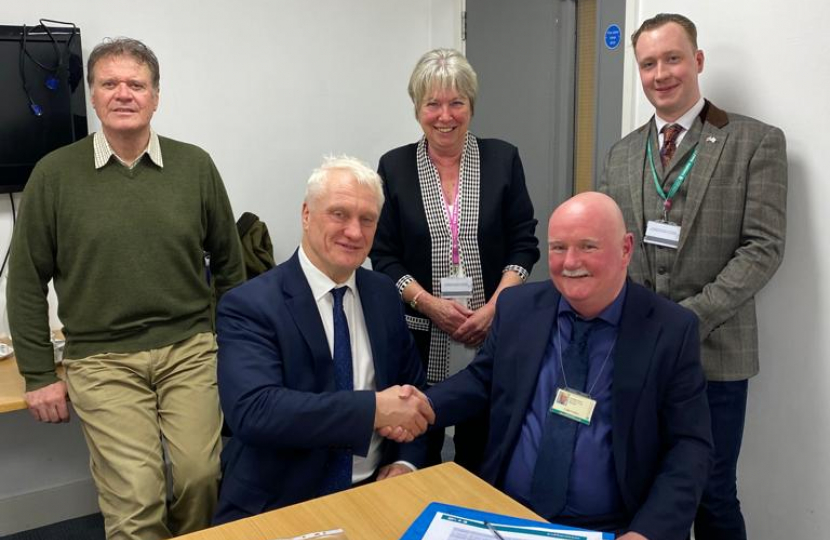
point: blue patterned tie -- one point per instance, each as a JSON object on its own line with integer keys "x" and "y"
{"x": 338, "y": 474}
{"x": 549, "y": 487}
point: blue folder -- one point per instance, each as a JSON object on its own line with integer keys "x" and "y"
{"x": 419, "y": 527}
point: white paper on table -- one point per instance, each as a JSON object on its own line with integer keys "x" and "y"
{"x": 336, "y": 534}
{"x": 450, "y": 527}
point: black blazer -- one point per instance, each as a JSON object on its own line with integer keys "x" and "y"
{"x": 506, "y": 224}
{"x": 662, "y": 438}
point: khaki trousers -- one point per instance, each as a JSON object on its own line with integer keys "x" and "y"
{"x": 127, "y": 403}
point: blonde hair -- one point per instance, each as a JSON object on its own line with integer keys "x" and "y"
{"x": 444, "y": 69}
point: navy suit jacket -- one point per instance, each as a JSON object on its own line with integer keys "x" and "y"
{"x": 276, "y": 385}
{"x": 661, "y": 430}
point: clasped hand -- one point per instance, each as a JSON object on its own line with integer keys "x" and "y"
{"x": 402, "y": 413}
{"x": 462, "y": 324}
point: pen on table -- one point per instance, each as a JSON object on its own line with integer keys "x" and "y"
{"x": 494, "y": 531}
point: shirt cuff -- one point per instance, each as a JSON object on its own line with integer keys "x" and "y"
{"x": 403, "y": 283}
{"x": 518, "y": 269}
{"x": 412, "y": 467}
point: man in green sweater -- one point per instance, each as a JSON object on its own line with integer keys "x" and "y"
{"x": 121, "y": 221}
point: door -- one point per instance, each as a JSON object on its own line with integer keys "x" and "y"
{"x": 523, "y": 52}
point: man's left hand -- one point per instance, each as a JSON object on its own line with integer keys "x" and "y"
{"x": 392, "y": 470}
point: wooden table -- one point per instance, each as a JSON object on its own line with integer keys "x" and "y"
{"x": 12, "y": 386}
{"x": 377, "y": 511}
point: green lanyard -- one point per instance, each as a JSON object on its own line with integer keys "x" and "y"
{"x": 677, "y": 183}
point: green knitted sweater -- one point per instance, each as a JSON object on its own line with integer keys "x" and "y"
{"x": 125, "y": 249}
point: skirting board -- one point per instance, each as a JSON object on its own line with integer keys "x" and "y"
{"x": 47, "y": 506}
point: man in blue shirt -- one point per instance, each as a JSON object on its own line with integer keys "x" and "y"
{"x": 596, "y": 393}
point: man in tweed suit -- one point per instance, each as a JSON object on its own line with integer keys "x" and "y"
{"x": 708, "y": 206}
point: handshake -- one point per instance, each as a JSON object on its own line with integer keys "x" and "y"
{"x": 402, "y": 413}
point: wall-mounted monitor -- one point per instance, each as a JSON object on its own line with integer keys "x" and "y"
{"x": 42, "y": 99}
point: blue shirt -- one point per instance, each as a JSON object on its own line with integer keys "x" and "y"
{"x": 592, "y": 488}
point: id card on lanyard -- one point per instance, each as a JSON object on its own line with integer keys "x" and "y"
{"x": 663, "y": 232}
{"x": 456, "y": 286}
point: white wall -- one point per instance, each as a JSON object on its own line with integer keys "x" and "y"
{"x": 267, "y": 88}
{"x": 769, "y": 60}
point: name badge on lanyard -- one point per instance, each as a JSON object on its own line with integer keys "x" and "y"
{"x": 457, "y": 286}
{"x": 663, "y": 232}
{"x": 573, "y": 405}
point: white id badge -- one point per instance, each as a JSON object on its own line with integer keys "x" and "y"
{"x": 460, "y": 290}
{"x": 457, "y": 288}
{"x": 663, "y": 234}
{"x": 573, "y": 405}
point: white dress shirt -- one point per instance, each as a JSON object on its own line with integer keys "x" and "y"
{"x": 687, "y": 121}
{"x": 103, "y": 151}
{"x": 362, "y": 363}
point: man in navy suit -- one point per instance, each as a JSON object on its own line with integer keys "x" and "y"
{"x": 311, "y": 358}
{"x": 596, "y": 393}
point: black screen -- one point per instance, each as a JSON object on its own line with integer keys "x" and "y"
{"x": 24, "y": 136}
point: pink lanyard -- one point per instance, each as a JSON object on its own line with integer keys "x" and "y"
{"x": 453, "y": 219}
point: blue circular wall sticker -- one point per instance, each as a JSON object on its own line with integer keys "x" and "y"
{"x": 612, "y": 36}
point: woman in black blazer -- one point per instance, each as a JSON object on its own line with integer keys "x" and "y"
{"x": 456, "y": 229}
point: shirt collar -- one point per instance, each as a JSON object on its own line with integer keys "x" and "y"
{"x": 687, "y": 120}
{"x": 611, "y": 314}
{"x": 320, "y": 283}
{"x": 103, "y": 151}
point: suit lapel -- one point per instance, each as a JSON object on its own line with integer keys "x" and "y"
{"x": 711, "y": 141}
{"x": 636, "y": 162}
{"x": 532, "y": 336}
{"x": 303, "y": 309}
{"x": 636, "y": 184}
{"x": 636, "y": 340}
{"x": 375, "y": 327}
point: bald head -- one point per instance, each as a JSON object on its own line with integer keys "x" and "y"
{"x": 591, "y": 206}
{"x": 588, "y": 251}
